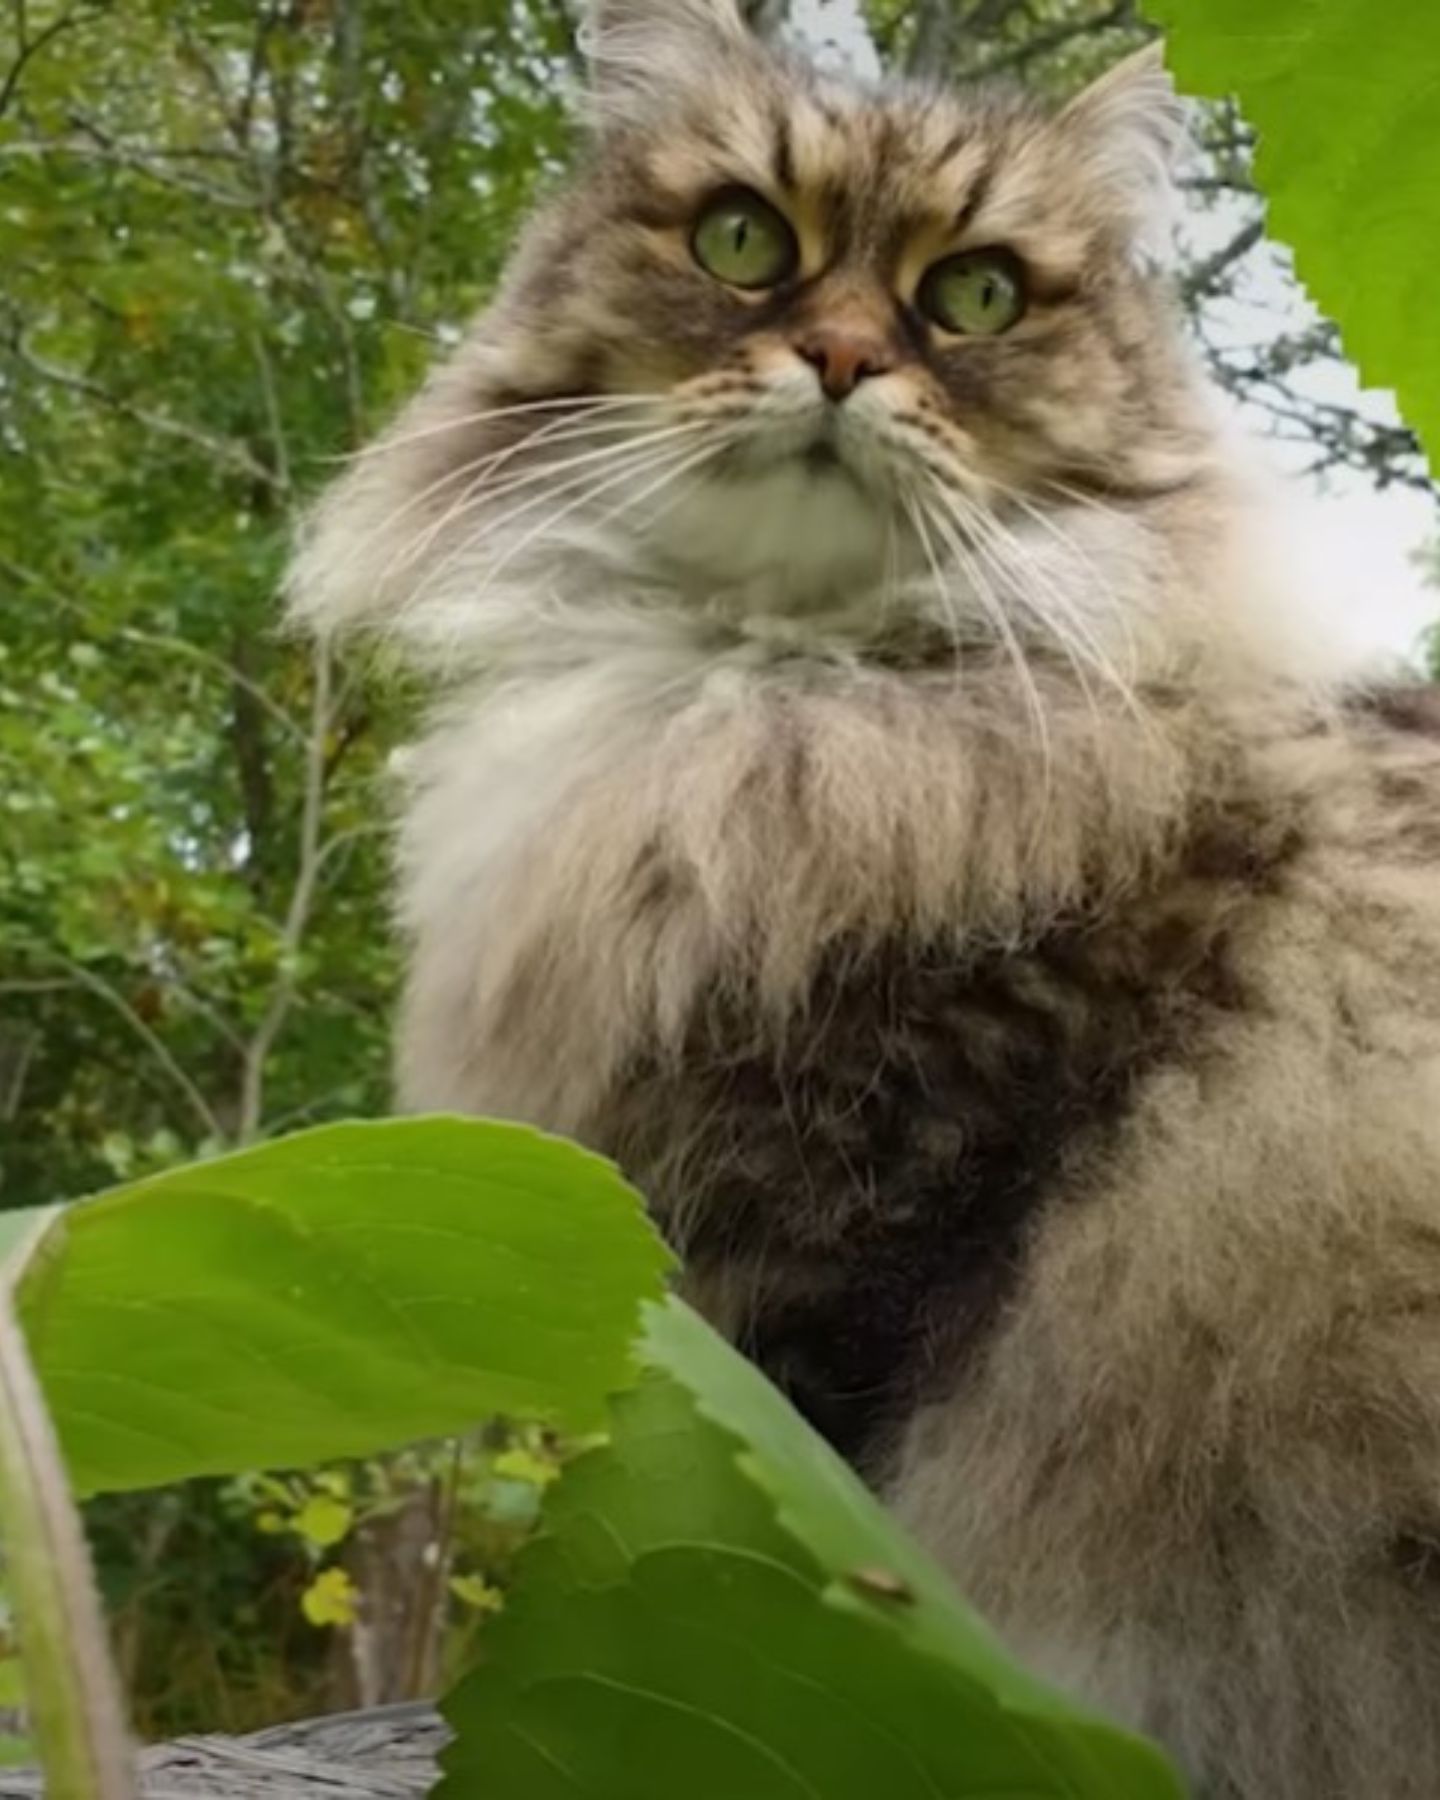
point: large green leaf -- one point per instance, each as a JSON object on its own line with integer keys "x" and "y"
{"x": 1343, "y": 94}
{"x": 824, "y": 1504}
{"x": 719, "y": 1609}
{"x": 336, "y": 1293}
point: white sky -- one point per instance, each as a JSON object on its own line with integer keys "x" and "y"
{"x": 1372, "y": 538}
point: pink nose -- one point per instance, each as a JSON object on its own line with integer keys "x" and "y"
{"x": 843, "y": 357}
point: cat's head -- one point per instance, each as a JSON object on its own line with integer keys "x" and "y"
{"x": 786, "y": 341}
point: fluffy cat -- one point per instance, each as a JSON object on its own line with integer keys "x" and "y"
{"x": 883, "y": 800}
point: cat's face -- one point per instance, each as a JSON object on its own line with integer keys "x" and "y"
{"x": 786, "y": 332}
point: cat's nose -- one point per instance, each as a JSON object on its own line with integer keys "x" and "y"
{"x": 844, "y": 357}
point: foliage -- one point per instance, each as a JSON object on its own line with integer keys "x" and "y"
{"x": 708, "y": 1556}
{"x": 233, "y": 235}
{"x": 719, "y": 1605}
{"x": 230, "y": 234}
{"x": 1361, "y": 203}
{"x": 388, "y": 1282}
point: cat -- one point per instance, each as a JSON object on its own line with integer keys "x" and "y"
{"x": 894, "y": 793}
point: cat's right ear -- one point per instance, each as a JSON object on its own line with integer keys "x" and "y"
{"x": 643, "y": 51}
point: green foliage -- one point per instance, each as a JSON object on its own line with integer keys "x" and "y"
{"x": 718, "y": 1607}
{"x": 1349, "y": 159}
{"x": 336, "y": 1293}
{"x": 714, "y": 1596}
{"x": 230, "y": 235}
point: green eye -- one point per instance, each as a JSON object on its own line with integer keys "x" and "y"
{"x": 979, "y": 293}
{"x": 742, "y": 240}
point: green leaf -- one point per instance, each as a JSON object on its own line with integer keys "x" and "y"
{"x": 333, "y": 1294}
{"x": 324, "y": 1521}
{"x": 673, "y": 1632}
{"x": 1343, "y": 96}
{"x": 331, "y": 1599}
{"x": 824, "y": 1504}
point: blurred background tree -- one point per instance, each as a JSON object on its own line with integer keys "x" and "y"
{"x": 233, "y": 233}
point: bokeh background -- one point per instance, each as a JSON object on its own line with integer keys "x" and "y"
{"x": 233, "y": 234}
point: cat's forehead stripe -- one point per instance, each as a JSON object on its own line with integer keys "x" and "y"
{"x": 867, "y": 174}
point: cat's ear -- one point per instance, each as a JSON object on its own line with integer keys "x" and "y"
{"x": 1125, "y": 134}
{"x": 640, "y": 51}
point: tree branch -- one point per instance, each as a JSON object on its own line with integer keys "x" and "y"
{"x": 116, "y": 1001}
{"x": 223, "y": 450}
{"x": 1208, "y": 278}
{"x": 30, "y": 47}
{"x": 302, "y": 901}
{"x": 1045, "y": 43}
{"x": 156, "y": 640}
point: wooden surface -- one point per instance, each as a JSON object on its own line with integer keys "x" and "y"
{"x": 388, "y": 1754}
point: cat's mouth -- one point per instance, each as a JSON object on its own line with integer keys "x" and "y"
{"x": 786, "y": 431}
{"x": 827, "y": 452}
{"x": 823, "y": 456}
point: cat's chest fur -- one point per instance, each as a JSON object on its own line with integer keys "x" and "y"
{"x": 852, "y": 969}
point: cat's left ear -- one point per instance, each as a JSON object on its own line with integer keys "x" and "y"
{"x": 641, "y": 50}
{"x": 1126, "y": 133}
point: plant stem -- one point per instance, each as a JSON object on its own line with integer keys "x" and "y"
{"x": 74, "y": 1695}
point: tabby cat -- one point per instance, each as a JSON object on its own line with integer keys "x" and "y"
{"x": 891, "y": 793}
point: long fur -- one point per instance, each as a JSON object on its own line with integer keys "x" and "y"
{"x": 946, "y": 854}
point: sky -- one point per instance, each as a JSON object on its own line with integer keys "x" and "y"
{"x": 1371, "y": 539}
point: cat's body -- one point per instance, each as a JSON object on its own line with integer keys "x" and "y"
{"x": 1003, "y": 943}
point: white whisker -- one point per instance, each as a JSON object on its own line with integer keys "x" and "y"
{"x": 570, "y": 402}
{"x": 625, "y": 454}
{"x": 482, "y": 491}
{"x": 1038, "y": 516}
{"x": 633, "y": 460}
{"x": 1055, "y": 611}
{"x": 562, "y": 430}
{"x": 917, "y": 514}
{"x": 994, "y": 607}
{"x": 584, "y": 499}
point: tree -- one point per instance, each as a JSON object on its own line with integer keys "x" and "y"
{"x": 231, "y": 235}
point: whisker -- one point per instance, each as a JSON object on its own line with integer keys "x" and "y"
{"x": 631, "y": 469}
{"x": 486, "y": 416}
{"x": 1072, "y": 546}
{"x": 633, "y": 461}
{"x": 670, "y": 453}
{"x": 481, "y": 489}
{"x": 673, "y": 500}
{"x": 917, "y": 514}
{"x": 706, "y": 453}
{"x": 1057, "y": 616}
{"x": 1001, "y": 553}
{"x": 995, "y": 611}
{"x": 483, "y": 493}
{"x": 986, "y": 532}
{"x": 627, "y": 452}
{"x": 561, "y": 430}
